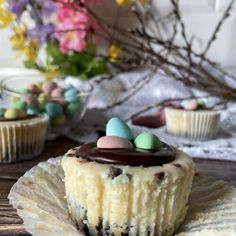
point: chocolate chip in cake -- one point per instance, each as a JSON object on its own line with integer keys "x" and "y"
{"x": 159, "y": 176}
{"x": 113, "y": 172}
{"x": 177, "y": 165}
{"x": 70, "y": 155}
{"x": 99, "y": 227}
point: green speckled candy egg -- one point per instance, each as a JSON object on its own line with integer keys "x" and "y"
{"x": 72, "y": 109}
{"x": 117, "y": 127}
{"x": 147, "y": 141}
{"x": 21, "y": 105}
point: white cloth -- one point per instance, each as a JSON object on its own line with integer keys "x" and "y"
{"x": 154, "y": 90}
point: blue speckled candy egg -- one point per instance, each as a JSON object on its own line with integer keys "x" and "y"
{"x": 33, "y": 111}
{"x": 117, "y": 127}
{"x": 54, "y": 109}
{"x": 147, "y": 141}
{"x": 71, "y": 95}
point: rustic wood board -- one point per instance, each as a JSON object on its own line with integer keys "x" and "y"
{"x": 11, "y": 224}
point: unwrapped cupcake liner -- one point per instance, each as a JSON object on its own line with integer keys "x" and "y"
{"x": 39, "y": 198}
{"x": 23, "y": 139}
{"x": 195, "y": 125}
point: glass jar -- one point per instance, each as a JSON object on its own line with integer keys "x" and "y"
{"x": 63, "y": 103}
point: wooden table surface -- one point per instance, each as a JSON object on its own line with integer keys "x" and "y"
{"x": 11, "y": 224}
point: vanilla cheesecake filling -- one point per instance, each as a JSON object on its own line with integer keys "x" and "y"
{"x": 106, "y": 198}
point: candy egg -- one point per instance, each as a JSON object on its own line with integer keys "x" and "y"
{"x": 117, "y": 127}
{"x": 33, "y": 111}
{"x": 58, "y": 121}
{"x": 147, "y": 141}
{"x": 57, "y": 93}
{"x": 2, "y": 111}
{"x": 54, "y": 109}
{"x": 70, "y": 86}
{"x": 13, "y": 113}
{"x": 59, "y": 100}
{"x": 71, "y": 95}
{"x": 21, "y": 105}
{"x": 31, "y": 100}
{"x": 72, "y": 109}
{"x": 48, "y": 87}
{"x": 201, "y": 103}
{"x": 42, "y": 100}
{"x": 23, "y": 91}
{"x": 33, "y": 88}
{"x": 189, "y": 104}
{"x": 113, "y": 142}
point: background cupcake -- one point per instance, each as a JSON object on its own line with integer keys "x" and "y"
{"x": 192, "y": 120}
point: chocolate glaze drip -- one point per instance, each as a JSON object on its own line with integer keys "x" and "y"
{"x": 132, "y": 157}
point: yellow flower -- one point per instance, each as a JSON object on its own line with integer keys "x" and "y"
{"x": 18, "y": 40}
{"x": 6, "y": 17}
{"x": 27, "y": 48}
{"x": 114, "y": 53}
{"x": 122, "y": 3}
{"x": 51, "y": 73}
{"x": 31, "y": 50}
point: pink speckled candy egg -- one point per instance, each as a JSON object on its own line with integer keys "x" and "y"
{"x": 48, "y": 87}
{"x": 59, "y": 100}
{"x": 191, "y": 105}
{"x": 33, "y": 88}
{"x": 31, "y": 100}
{"x": 113, "y": 142}
{"x": 57, "y": 93}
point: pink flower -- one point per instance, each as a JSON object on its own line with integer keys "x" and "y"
{"x": 72, "y": 29}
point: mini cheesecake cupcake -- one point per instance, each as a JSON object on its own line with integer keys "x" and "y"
{"x": 192, "y": 120}
{"x": 127, "y": 186}
{"x": 21, "y": 137}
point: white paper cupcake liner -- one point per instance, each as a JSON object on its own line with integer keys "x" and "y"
{"x": 195, "y": 125}
{"x": 23, "y": 139}
{"x": 39, "y": 197}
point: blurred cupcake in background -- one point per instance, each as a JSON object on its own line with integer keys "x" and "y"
{"x": 192, "y": 120}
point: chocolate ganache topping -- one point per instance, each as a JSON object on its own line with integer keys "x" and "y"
{"x": 132, "y": 157}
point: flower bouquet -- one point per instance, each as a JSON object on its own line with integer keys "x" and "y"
{"x": 54, "y": 37}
